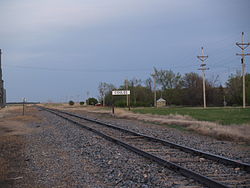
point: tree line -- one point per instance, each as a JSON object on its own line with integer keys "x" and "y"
{"x": 179, "y": 90}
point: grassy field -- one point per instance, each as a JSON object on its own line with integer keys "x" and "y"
{"x": 224, "y": 116}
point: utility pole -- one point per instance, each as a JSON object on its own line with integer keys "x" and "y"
{"x": 243, "y": 46}
{"x": 154, "y": 77}
{"x": 203, "y": 68}
{"x": 224, "y": 101}
{"x": 103, "y": 100}
{"x": 24, "y": 100}
{"x": 1, "y": 83}
{"x": 87, "y": 100}
{"x": 126, "y": 86}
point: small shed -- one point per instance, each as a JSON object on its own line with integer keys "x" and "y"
{"x": 160, "y": 102}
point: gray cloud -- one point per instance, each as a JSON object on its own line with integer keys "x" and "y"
{"x": 112, "y": 40}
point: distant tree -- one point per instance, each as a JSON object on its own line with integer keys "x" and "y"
{"x": 144, "y": 96}
{"x": 214, "y": 81}
{"x": 192, "y": 84}
{"x": 179, "y": 90}
{"x": 149, "y": 83}
{"x": 173, "y": 96}
{"x": 71, "y": 103}
{"x": 104, "y": 88}
{"x": 220, "y": 95}
{"x": 168, "y": 79}
{"x": 132, "y": 85}
{"x": 192, "y": 80}
{"x": 81, "y": 103}
{"x": 214, "y": 91}
{"x": 248, "y": 89}
{"x": 215, "y": 95}
{"x": 92, "y": 101}
{"x": 135, "y": 82}
{"x": 234, "y": 88}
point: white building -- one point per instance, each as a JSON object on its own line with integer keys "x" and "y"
{"x": 160, "y": 102}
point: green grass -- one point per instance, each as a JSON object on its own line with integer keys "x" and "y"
{"x": 224, "y": 116}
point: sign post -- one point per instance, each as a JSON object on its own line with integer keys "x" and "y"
{"x": 24, "y": 100}
{"x": 113, "y": 108}
{"x": 120, "y": 92}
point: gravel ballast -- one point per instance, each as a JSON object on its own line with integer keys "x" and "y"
{"x": 61, "y": 154}
{"x": 229, "y": 149}
{"x": 64, "y": 155}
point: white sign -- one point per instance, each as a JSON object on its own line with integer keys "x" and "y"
{"x": 121, "y": 92}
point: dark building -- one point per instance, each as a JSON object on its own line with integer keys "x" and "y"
{"x": 2, "y": 90}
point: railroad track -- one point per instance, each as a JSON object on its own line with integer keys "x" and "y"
{"x": 208, "y": 169}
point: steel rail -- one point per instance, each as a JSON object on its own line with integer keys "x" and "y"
{"x": 185, "y": 172}
{"x": 206, "y": 155}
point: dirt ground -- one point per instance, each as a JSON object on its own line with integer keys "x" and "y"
{"x": 13, "y": 127}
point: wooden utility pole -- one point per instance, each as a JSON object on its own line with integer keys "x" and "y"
{"x": 24, "y": 100}
{"x": 2, "y": 102}
{"x": 103, "y": 100}
{"x": 203, "y": 68}
{"x": 113, "y": 105}
{"x": 128, "y": 95}
{"x": 154, "y": 77}
{"x": 87, "y": 100}
{"x": 243, "y": 46}
{"x": 126, "y": 86}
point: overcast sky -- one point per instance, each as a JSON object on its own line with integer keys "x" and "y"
{"x": 60, "y": 49}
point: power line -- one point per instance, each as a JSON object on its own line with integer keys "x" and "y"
{"x": 91, "y": 70}
{"x": 77, "y": 70}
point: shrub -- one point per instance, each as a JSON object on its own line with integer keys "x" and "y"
{"x": 81, "y": 103}
{"x": 71, "y": 103}
{"x": 120, "y": 103}
{"x": 92, "y": 101}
